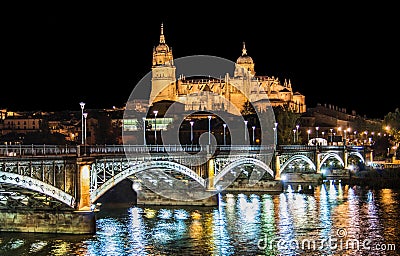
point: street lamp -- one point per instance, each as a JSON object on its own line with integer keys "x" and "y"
{"x": 224, "y": 134}
{"x": 245, "y": 130}
{"x": 308, "y": 135}
{"x": 82, "y": 107}
{"x": 275, "y": 128}
{"x": 331, "y": 135}
{"x": 155, "y": 126}
{"x": 84, "y": 136}
{"x": 317, "y": 128}
{"x": 144, "y": 130}
{"x": 297, "y": 133}
{"x": 209, "y": 130}
{"x": 191, "y": 131}
{"x": 294, "y": 136}
{"x": 85, "y": 116}
{"x": 253, "y": 127}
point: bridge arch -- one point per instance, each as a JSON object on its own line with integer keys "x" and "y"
{"x": 239, "y": 162}
{"x": 29, "y": 183}
{"x": 295, "y": 158}
{"x": 357, "y": 154}
{"x": 329, "y": 155}
{"x": 139, "y": 167}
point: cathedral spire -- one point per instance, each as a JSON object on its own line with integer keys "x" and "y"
{"x": 162, "y": 37}
{"x": 244, "y": 51}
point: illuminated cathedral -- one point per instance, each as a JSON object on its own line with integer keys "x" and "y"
{"x": 225, "y": 94}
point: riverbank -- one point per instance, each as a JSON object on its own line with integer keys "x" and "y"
{"x": 375, "y": 178}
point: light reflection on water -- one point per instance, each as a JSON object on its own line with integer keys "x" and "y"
{"x": 332, "y": 220}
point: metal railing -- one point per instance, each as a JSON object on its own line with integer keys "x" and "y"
{"x": 78, "y": 150}
{"x": 314, "y": 147}
{"x": 51, "y": 150}
{"x": 37, "y": 150}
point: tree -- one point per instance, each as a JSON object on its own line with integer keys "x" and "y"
{"x": 392, "y": 122}
{"x": 248, "y": 109}
{"x": 287, "y": 120}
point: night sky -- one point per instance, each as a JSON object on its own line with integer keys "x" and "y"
{"x": 336, "y": 55}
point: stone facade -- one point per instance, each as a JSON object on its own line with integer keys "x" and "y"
{"x": 63, "y": 222}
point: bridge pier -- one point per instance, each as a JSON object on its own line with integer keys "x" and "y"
{"x": 147, "y": 197}
{"x": 83, "y": 184}
{"x": 318, "y": 162}
{"x": 277, "y": 168}
{"x": 46, "y": 221}
{"x": 211, "y": 173}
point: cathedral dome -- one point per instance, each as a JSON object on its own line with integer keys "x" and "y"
{"x": 244, "y": 59}
{"x": 162, "y": 47}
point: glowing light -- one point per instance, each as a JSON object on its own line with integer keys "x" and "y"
{"x": 136, "y": 186}
{"x": 85, "y": 172}
{"x": 136, "y": 216}
{"x": 370, "y": 196}
{"x": 181, "y": 214}
{"x": 149, "y": 213}
{"x": 196, "y": 215}
{"x": 165, "y": 214}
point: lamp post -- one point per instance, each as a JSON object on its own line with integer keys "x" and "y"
{"x": 275, "y": 128}
{"x": 84, "y": 136}
{"x": 191, "y": 131}
{"x": 82, "y": 108}
{"x": 155, "y": 126}
{"x": 209, "y": 130}
{"x": 317, "y": 128}
{"x": 144, "y": 130}
{"x": 331, "y": 135}
{"x": 253, "y": 127}
{"x": 294, "y": 136}
{"x": 245, "y": 130}
{"x": 224, "y": 134}
{"x": 297, "y": 133}
{"x": 308, "y": 135}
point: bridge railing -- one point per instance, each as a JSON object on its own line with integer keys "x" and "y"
{"x": 37, "y": 150}
{"x": 118, "y": 149}
{"x": 315, "y": 147}
{"x": 51, "y": 150}
{"x": 121, "y": 149}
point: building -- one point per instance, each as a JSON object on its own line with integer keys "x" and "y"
{"x": 219, "y": 94}
{"x": 337, "y": 126}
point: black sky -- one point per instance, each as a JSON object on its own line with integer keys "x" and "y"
{"x": 335, "y": 55}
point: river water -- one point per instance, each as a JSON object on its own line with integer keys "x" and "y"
{"x": 331, "y": 219}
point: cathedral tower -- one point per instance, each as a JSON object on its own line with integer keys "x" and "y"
{"x": 244, "y": 64}
{"x": 163, "y": 76}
